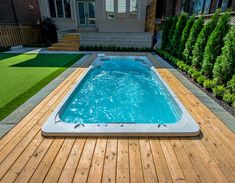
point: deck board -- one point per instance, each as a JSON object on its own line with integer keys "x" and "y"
{"x": 26, "y": 156}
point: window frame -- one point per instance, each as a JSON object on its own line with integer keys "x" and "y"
{"x": 107, "y": 17}
{"x": 56, "y": 11}
{"x": 123, "y": 15}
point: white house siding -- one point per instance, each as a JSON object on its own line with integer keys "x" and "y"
{"x": 102, "y": 24}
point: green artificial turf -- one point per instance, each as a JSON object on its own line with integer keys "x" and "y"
{"x": 23, "y": 75}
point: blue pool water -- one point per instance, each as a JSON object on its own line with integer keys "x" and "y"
{"x": 121, "y": 89}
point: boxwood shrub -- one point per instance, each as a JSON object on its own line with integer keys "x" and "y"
{"x": 201, "y": 42}
{"x": 201, "y": 79}
{"x": 195, "y": 75}
{"x": 194, "y": 32}
{"x": 214, "y": 44}
{"x": 219, "y": 91}
{"x": 231, "y": 85}
{"x": 229, "y": 98}
{"x": 209, "y": 84}
{"x": 224, "y": 67}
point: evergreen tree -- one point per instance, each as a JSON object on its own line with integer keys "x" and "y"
{"x": 202, "y": 39}
{"x": 178, "y": 33}
{"x": 214, "y": 44}
{"x": 165, "y": 33}
{"x": 194, "y": 32}
{"x": 185, "y": 36}
{"x": 171, "y": 33}
{"x": 224, "y": 67}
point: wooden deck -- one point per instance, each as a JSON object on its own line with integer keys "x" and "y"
{"x": 26, "y": 156}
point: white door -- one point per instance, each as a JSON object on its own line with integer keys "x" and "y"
{"x": 86, "y": 13}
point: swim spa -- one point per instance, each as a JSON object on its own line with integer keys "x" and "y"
{"x": 120, "y": 96}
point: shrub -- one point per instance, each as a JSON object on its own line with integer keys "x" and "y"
{"x": 231, "y": 85}
{"x": 218, "y": 91}
{"x": 165, "y": 32}
{"x": 190, "y": 71}
{"x": 195, "y": 75}
{"x": 195, "y": 30}
{"x": 183, "y": 66}
{"x": 214, "y": 45}
{"x": 201, "y": 42}
{"x": 177, "y": 34}
{"x": 171, "y": 33}
{"x": 48, "y": 30}
{"x": 201, "y": 80}
{"x": 229, "y": 98}
{"x": 185, "y": 36}
{"x": 225, "y": 63}
{"x": 208, "y": 84}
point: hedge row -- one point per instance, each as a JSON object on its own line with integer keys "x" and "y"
{"x": 205, "y": 50}
{"x": 226, "y": 93}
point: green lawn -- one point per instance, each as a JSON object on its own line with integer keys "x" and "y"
{"x": 23, "y": 75}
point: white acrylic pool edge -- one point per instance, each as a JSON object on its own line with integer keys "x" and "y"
{"x": 187, "y": 126}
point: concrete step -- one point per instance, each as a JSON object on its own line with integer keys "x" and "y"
{"x": 65, "y": 45}
{"x": 71, "y": 35}
{"x": 68, "y": 42}
{"x": 70, "y": 39}
{"x": 62, "y": 49}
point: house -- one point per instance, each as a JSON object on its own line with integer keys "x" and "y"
{"x": 120, "y": 23}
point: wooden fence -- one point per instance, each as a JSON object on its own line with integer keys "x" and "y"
{"x": 11, "y": 35}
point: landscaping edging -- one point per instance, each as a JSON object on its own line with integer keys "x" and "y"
{"x": 15, "y": 117}
{"x": 227, "y": 118}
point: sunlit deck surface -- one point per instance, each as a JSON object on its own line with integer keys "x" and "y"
{"x": 27, "y": 156}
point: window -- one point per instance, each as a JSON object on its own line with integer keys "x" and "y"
{"x": 67, "y": 8}
{"x": 197, "y": 6}
{"x": 133, "y": 7}
{"x": 52, "y": 8}
{"x": 109, "y": 9}
{"x": 224, "y": 5}
{"x": 207, "y": 6}
{"x": 121, "y": 9}
{"x": 59, "y": 8}
{"x": 122, "y": 6}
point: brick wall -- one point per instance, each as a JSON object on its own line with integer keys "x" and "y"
{"x": 27, "y": 11}
{"x": 6, "y": 15}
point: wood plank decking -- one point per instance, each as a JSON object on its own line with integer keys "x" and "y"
{"x": 26, "y": 156}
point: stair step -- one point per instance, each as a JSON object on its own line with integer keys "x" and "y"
{"x": 71, "y": 35}
{"x": 63, "y": 48}
{"x": 69, "y": 42}
{"x": 71, "y": 38}
{"x": 65, "y": 45}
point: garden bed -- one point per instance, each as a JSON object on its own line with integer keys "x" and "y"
{"x": 226, "y": 106}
